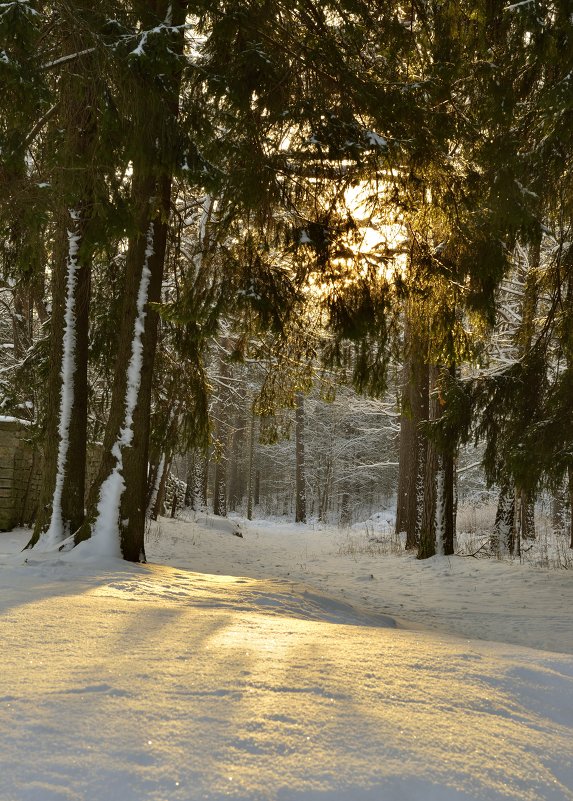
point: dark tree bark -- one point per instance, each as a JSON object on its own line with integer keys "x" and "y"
{"x": 189, "y": 500}
{"x": 300, "y": 475}
{"x": 151, "y": 194}
{"x": 222, "y": 433}
{"x": 427, "y": 543}
{"x": 524, "y": 527}
{"x": 449, "y": 522}
{"x": 570, "y": 488}
{"x": 437, "y": 533}
{"x": 61, "y": 506}
{"x": 220, "y": 487}
{"x": 413, "y": 444}
{"x": 252, "y": 456}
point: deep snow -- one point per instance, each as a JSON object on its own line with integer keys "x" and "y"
{"x": 284, "y": 665}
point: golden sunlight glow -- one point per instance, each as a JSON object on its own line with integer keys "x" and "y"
{"x": 218, "y": 685}
{"x": 273, "y": 685}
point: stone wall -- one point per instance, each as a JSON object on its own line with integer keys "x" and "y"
{"x": 21, "y": 473}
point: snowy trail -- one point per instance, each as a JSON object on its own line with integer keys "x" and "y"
{"x": 477, "y": 598}
{"x": 135, "y": 683}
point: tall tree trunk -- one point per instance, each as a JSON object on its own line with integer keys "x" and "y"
{"x": 448, "y": 488}
{"x": 570, "y": 488}
{"x": 432, "y": 503}
{"x": 222, "y": 432}
{"x": 159, "y": 504}
{"x": 525, "y": 502}
{"x": 527, "y": 516}
{"x": 252, "y": 448}
{"x": 515, "y": 542}
{"x": 413, "y": 443}
{"x": 62, "y": 493}
{"x": 437, "y": 534}
{"x": 449, "y": 522}
{"x": 189, "y": 500}
{"x": 117, "y": 518}
{"x": 300, "y": 474}
{"x": 235, "y": 475}
{"x": 220, "y": 487}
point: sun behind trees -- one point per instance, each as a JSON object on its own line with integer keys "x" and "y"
{"x": 180, "y": 176}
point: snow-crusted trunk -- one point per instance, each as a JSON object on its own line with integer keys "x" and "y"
{"x": 106, "y": 525}
{"x": 117, "y": 503}
{"x": 59, "y": 528}
{"x": 61, "y": 502}
{"x": 63, "y": 482}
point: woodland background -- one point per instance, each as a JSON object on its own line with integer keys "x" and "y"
{"x": 305, "y": 256}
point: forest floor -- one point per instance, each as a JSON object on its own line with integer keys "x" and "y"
{"x": 291, "y": 664}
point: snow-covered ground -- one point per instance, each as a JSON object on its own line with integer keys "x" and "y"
{"x": 293, "y": 664}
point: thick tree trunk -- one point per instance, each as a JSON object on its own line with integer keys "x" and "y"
{"x": 62, "y": 494}
{"x": 133, "y": 507}
{"x": 413, "y": 444}
{"x": 118, "y": 502}
{"x": 437, "y": 534}
{"x": 300, "y": 475}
